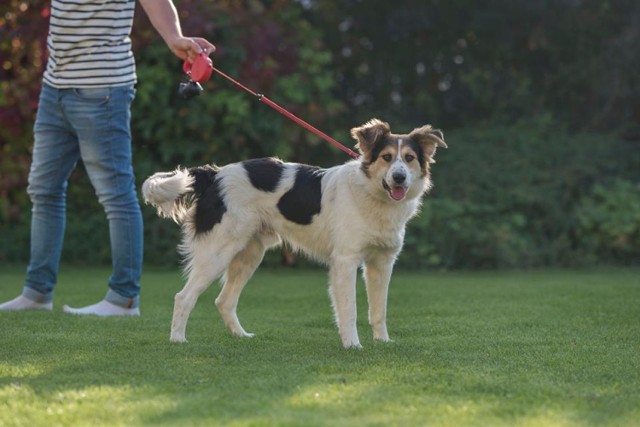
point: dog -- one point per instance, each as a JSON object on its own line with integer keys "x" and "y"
{"x": 348, "y": 216}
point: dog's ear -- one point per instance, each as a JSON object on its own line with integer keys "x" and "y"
{"x": 368, "y": 134}
{"x": 429, "y": 139}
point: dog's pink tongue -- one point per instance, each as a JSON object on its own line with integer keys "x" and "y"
{"x": 398, "y": 193}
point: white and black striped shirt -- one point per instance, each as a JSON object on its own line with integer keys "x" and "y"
{"x": 89, "y": 44}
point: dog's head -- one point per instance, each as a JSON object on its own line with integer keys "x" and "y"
{"x": 400, "y": 163}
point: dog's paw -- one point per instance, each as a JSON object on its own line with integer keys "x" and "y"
{"x": 356, "y": 346}
{"x": 238, "y": 331}
{"x": 354, "y": 343}
{"x": 243, "y": 334}
{"x": 178, "y": 338}
{"x": 350, "y": 340}
{"x": 382, "y": 337}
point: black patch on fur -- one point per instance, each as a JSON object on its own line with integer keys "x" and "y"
{"x": 377, "y": 148}
{"x": 419, "y": 152}
{"x": 210, "y": 206}
{"x": 373, "y": 155}
{"x": 264, "y": 174}
{"x": 302, "y": 202}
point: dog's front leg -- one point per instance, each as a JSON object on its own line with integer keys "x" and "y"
{"x": 184, "y": 302}
{"x": 342, "y": 289}
{"x": 202, "y": 273}
{"x": 377, "y": 274}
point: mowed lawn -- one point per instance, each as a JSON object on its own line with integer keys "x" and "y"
{"x": 550, "y": 348}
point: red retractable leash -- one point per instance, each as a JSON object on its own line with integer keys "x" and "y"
{"x": 200, "y": 71}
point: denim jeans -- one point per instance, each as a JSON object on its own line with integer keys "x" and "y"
{"x": 92, "y": 125}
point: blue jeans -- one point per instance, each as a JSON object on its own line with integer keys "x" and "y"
{"x": 92, "y": 125}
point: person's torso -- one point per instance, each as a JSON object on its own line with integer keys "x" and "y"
{"x": 89, "y": 44}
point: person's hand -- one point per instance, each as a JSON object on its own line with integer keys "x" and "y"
{"x": 190, "y": 47}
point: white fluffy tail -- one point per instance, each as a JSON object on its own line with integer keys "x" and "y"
{"x": 166, "y": 191}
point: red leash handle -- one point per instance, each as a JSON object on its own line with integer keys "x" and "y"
{"x": 200, "y": 71}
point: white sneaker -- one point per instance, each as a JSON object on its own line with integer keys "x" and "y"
{"x": 103, "y": 309}
{"x": 23, "y": 303}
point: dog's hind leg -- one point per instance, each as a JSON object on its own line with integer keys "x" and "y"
{"x": 342, "y": 289}
{"x": 377, "y": 273}
{"x": 240, "y": 270}
{"x": 203, "y": 269}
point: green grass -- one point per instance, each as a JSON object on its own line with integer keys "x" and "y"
{"x": 559, "y": 348}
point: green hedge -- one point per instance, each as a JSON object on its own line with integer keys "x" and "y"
{"x": 529, "y": 195}
{"x": 519, "y": 196}
{"x": 517, "y": 191}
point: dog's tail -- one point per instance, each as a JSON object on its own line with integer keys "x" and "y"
{"x": 169, "y": 193}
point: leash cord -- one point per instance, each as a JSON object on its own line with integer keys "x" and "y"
{"x": 262, "y": 98}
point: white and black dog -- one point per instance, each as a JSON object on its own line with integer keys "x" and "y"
{"x": 348, "y": 216}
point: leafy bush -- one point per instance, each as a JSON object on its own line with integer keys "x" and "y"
{"x": 609, "y": 221}
{"x": 506, "y": 196}
{"x": 516, "y": 189}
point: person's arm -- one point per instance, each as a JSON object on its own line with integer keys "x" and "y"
{"x": 164, "y": 18}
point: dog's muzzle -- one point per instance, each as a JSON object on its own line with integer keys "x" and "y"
{"x": 396, "y": 192}
{"x": 399, "y": 178}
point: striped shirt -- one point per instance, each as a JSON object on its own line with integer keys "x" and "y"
{"x": 89, "y": 44}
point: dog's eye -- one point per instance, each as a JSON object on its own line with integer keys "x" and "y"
{"x": 387, "y": 157}
{"x": 409, "y": 158}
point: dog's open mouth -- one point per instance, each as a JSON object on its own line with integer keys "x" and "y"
{"x": 396, "y": 192}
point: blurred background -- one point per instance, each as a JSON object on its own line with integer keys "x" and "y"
{"x": 539, "y": 102}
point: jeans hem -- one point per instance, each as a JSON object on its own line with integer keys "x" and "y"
{"x": 117, "y": 299}
{"x": 36, "y": 296}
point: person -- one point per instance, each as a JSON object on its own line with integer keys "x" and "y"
{"x": 84, "y": 113}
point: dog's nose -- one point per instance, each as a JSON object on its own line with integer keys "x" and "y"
{"x": 399, "y": 178}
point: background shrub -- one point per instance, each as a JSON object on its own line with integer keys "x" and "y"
{"x": 539, "y": 102}
{"x": 528, "y": 195}
{"x": 608, "y": 221}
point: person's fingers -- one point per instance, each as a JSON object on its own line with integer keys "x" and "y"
{"x": 189, "y": 48}
{"x": 204, "y": 45}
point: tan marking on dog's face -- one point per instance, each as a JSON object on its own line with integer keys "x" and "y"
{"x": 396, "y": 165}
{"x": 386, "y": 156}
{"x": 410, "y": 156}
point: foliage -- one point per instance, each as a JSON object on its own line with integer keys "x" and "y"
{"x": 269, "y": 49}
{"x": 518, "y": 196}
{"x": 455, "y": 62}
{"x": 539, "y": 102}
{"x": 23, "y": 32}
{"x": 609, "y": 220}
{"x": 507, "y": 349}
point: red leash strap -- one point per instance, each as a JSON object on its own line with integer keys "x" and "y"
{"x": 307, "y": 126}
{"x": 289, "y": 115}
